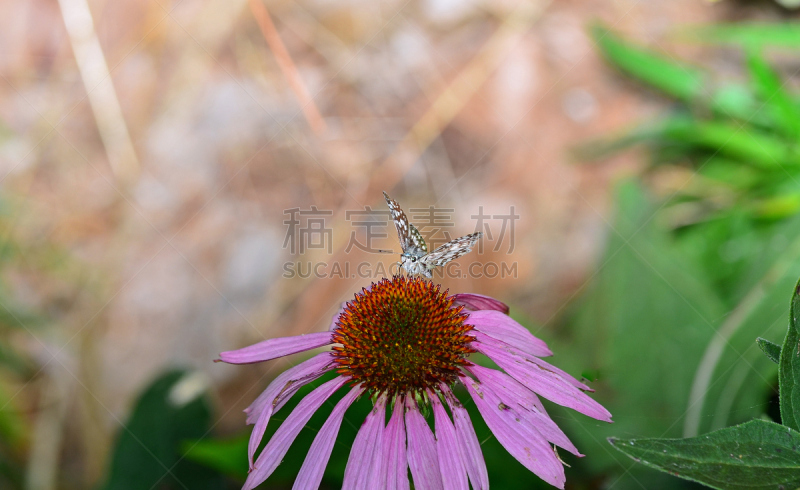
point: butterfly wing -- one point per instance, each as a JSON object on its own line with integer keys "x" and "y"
{"x": 417, "y": 241}
{"x": 410, "y": 239}
{"x": 451, "y": 250}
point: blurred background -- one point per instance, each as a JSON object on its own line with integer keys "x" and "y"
{"x": 173, "y": 171}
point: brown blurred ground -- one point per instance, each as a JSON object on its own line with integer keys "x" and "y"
{"x": 170, "y": 248}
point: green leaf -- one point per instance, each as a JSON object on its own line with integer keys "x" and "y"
{"x": 754, "y": 455}
{"x": 777, "y": 207}
{"x": 783, "y": 34}
{"x": 770, "y": 89}
{"x": 675, "y": 79}
{"x": 789, "y": 367}
{"x": 744, "y": 144}
{"x": 228, "y": 456}
{"x": 148, "y": 452}
{"x": 772, "y": 350}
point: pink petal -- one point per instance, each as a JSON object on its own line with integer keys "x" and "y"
{"x": 525, "y": 404}
{"x": 543, "y": 381}
{"x": 471, "y": 448}
{"x": 526, "y": 446}
{"x": 336, "y": 317}
{"x": 274, "y": 348}
{"x": 422, "y": 457}
{"x": 454, "y": 476}
{"x": 276, "y": 448}
{"x": 477, "y": 302}
{"x": 395, "y": 463}
{"x": 364, "y": 466}
{"x": 505, "y": 329}
{"x": 287, "y": 384}
{"x": 313, "y": 468}
{"x": 279, "y": 392}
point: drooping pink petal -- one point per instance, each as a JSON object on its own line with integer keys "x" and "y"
{"x": 364, "y": 466}
{"x": 422, "y": 457}
{"x": 395, "y": 462}
{"x": 543, "y": 381}
{"x": 336, "y": 317}
{"x": 471, "y": 448}
{"x": 477, "y": 302}
{"x": 526, "y": 446}
{"x": 451, "y": 466}
{"x": 481, "y": 339}
{"x": 288, "y": 382}
{"x": 505, "y": 329}
{"x": 313, "y": 468}
{"x": 279, "y": 392}
{"x": 512, "y": 350}
{"x": 275, "y": 348}
{"x": 276, "y": 448}
{"x": 513, "y": 394}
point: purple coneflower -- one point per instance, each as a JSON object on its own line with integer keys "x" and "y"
{"x": 405, "y": 344}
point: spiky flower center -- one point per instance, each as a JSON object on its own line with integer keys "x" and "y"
{"x": 402, "y": 336}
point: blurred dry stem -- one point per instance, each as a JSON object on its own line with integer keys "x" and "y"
{"x": 288, "y": 68}
{"x": 55, "y": 389}
{"x": 100, "y": 89}
{"x": 457, "y": 94}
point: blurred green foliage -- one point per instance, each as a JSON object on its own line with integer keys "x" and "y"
{"x": 758, "y": 454}
{"x": 149, "y": 452}
{"x": 690, "y": 280}
{"x": 16, "y": 368}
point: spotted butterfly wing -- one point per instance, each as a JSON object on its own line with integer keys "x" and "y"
{"x": 451, "y": 250}
{"x": 410, "y": 238}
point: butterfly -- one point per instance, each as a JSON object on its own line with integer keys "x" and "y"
{"x": 415, "y": 258}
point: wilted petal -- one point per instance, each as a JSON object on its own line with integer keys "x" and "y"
{"x": 276, "y": 448}
{"x": 313, "y": 468}
{"x": 543, "y": 381}
{"x": 364, "y": 466}
{"x": 422, "y": 457}
{"x": 513, "y": 394}
{"x": 275, "y": 348}
{"x": 527, "y": 446}
{"x": 279, "y": 392}
{"x": 395, "y": 462}
{"x": 505, "y": 329}
{"x": 448, "y": 449}
{"x": 477, "y": 302}
{"x": 471, "y": 448}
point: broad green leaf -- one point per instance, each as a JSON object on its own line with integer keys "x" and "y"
{"x": 757, "y": 455}
{"x": 789, "y": 367}
{"x": 781, "y": 34}
{"x": 773, "y": 351}
{"x": 675, "y": 79}
{"x": 148, "y": 452}
{"x": 770, "y": 90}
